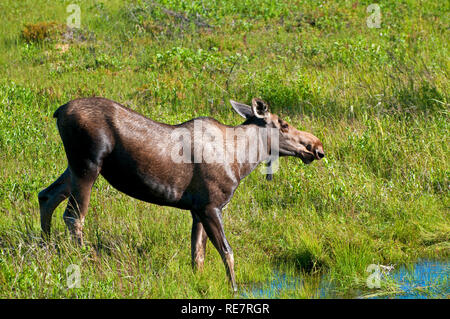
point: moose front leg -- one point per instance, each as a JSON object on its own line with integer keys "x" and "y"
{"x": 211, "y": 218}
{"x": 50, "y": 198}
{"x": 198, "y": 243}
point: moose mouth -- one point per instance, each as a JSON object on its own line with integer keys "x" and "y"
{"x": 306, "y": 161}
{"x": 306, "y": 158}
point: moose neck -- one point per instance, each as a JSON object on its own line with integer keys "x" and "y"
{"x": 259, "y": 140}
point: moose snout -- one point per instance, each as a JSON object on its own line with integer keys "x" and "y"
{"x": 319, "y": 154}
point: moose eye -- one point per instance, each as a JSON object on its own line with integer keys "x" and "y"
{"x": 309, "y": 147}
{"x": 283, "y": 124}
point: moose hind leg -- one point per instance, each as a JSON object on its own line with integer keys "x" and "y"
{"x": 211, "y": 218}
{"x": 50, "y": 198}
{"x": 78, "y": 203}
{"x": 198, "y": 243}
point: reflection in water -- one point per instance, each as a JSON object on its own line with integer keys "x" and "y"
{"x": 424, "y": 279}
{"x": 273, "y": 288}
{"x": 312, "y": 286}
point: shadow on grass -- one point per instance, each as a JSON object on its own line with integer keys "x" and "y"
{"x": 302, "y": 260}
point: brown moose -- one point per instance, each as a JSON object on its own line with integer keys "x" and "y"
{"x": 136, "y": 155}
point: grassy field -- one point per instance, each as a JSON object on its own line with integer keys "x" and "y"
{"x": 376, "y": 97}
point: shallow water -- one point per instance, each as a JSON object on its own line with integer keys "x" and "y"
{"x": 422, "y": 280}
{"x": 425, "y": 279}
{"x": 282, "y": 284}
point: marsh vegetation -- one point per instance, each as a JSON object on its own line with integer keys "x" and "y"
{"x": 376, "y": 97}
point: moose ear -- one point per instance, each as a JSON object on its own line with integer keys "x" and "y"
{"x": 242, "y": 109}
{"x": 260, "y": 108}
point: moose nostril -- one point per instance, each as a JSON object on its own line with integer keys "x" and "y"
{"x": 320, "y": 154}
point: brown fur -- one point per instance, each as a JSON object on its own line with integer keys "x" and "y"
{"x": 131, "y": 152}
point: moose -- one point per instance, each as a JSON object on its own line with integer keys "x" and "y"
{"x": 141, "y": 158}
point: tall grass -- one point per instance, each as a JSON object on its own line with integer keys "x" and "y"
{"x": 377, "y": 98}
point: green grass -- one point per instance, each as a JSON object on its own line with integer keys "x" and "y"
{"x": 377, "y": 98}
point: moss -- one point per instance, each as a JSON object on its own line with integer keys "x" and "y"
{"x": 38, "y": 32}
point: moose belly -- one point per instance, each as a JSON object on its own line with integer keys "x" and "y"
{"x": 146, "y": 187}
